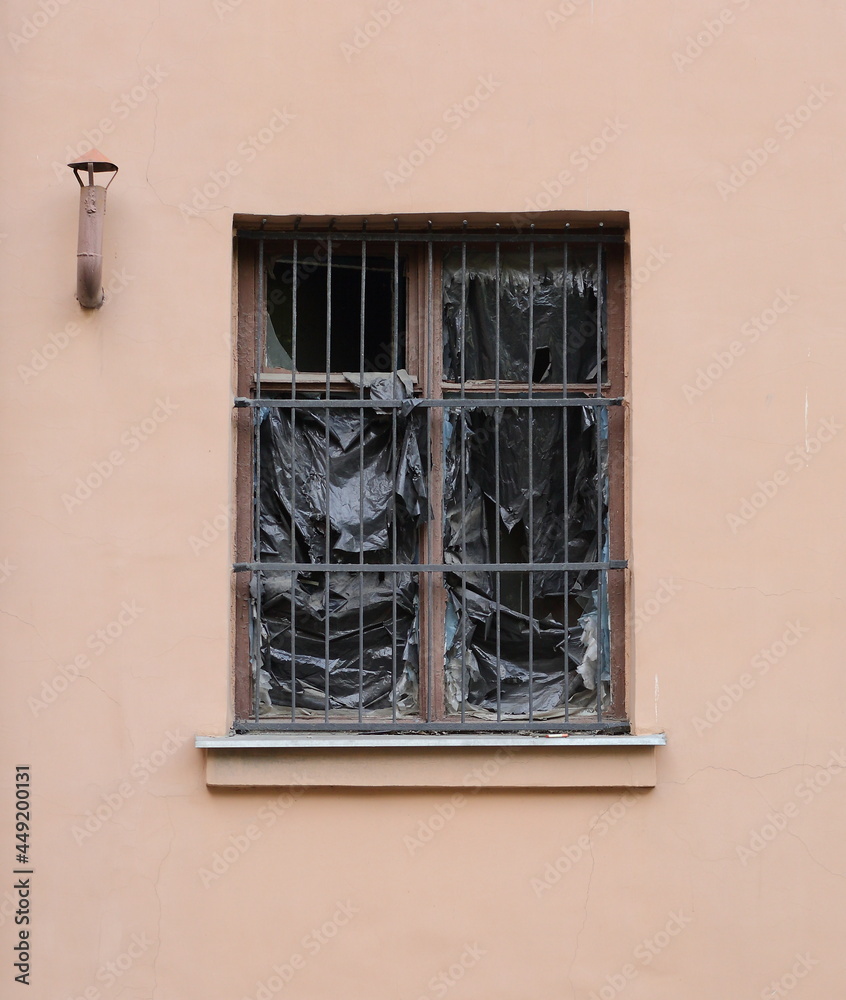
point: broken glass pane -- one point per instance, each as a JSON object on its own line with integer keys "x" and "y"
{"x": 380, "y": 288}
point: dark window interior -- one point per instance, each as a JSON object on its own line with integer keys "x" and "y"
{"x": 345, "y": 338}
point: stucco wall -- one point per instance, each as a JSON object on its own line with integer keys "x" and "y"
{"x": 728, "y": 154}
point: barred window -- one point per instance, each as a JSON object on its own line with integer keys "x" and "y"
{"x": 430, "y": 424}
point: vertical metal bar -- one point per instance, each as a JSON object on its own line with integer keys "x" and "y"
{"x": 328, "y": 552}
{"x": 463, "y": 476}
{"x": 531, "y": 481}
{"x": 430, "y": 589}
{"x": 599, "y": 303}
{"x": 566, "y": 476}
{"x": 497, "y": 415}
{"x": 600, "y": 640}
{"x": 394, "y": 361}
{"x": 428, "y": 582}
{"x": 261, "y": 321}
{"x": 361, "y": 431}
{"x": 600, "y": 491}
{"x": 294, "y": 485}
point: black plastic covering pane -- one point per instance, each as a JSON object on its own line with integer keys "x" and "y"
{"x": 393, "y": 491}
{"x": 548, "y": 285}
{"x": 558, "y": 535}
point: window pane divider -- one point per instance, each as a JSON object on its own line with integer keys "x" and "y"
{"x": 478, "y": 399}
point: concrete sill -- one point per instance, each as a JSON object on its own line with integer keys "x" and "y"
{"x": 412, "y": 761}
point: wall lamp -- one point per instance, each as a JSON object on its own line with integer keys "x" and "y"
{"x": 92, "y": 208}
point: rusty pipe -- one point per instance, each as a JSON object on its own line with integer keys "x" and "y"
{"x": 89, "y": 249}
{"x": 92, "y": 209}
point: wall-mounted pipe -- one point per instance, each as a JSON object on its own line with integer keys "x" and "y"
{"x": 92, "y": 209}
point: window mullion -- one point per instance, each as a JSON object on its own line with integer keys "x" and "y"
{"x": 433, "y": 595}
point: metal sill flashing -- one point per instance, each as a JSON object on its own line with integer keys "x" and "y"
{"x": 355, "y": 741}
{"x": 475, "y": 761}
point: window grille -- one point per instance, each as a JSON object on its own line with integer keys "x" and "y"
{"x": 431, "y": 435}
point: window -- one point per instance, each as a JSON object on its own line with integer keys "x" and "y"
{"x": 430, "y": 434}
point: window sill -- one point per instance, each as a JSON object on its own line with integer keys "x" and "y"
{"x": 412, "y": 761}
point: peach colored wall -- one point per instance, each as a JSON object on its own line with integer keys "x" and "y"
{"x": 130, "y": 906}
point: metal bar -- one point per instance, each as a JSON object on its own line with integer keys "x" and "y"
{"x": 600, "y": 491}
{"x": 531, "y": 539}
{"x": 600, "y": 641}
{"x": 328, "y": 387}
{"x": 566, "y": 484}
{"x": 599, "y": 496}
{"x": 463, "y": 476}
{"x": 394, "y": 353}
{"x": 294, "y": 321}
{"x": 599, "y": 280}
{"x": 431, "y": 529}
{"x": 328, "y": 523}
{"x": 261, "y": 322}
{"x": 497, "y": 514}
{"x": 361, "y": 432}
{"x": 428, "y": 597}
{"x": 455, "y": 568}
{"x": 294, "y": 485}
{"x": 427, "y": 236}
{"x": 483, "y": 400}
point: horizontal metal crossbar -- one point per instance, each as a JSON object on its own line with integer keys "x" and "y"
{"x": 483, "y": 400}
{"x": 458, "y": 568}
{"x": 418, "y": 726}
{"x": 390, "y": 236}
